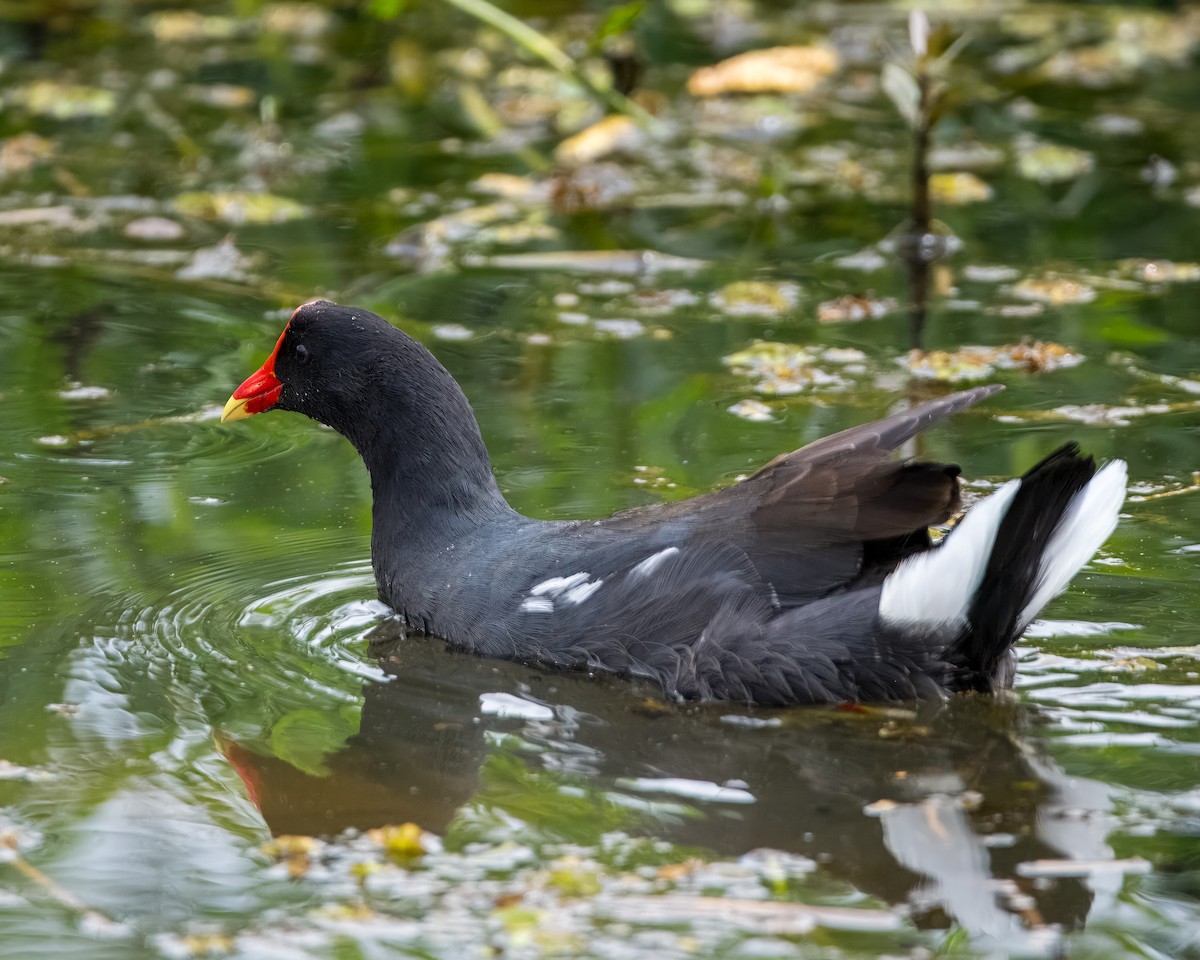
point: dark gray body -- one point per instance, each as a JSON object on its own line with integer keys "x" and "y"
{"x": 767, "y": 591}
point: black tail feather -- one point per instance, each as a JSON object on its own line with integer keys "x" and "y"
{"x": 1013, "y": 569}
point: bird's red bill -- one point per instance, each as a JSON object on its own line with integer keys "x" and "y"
{"x": 260, "y": 391}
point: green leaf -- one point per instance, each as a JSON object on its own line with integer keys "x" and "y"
{"x": 619, "y": 21}
{"x": 305, "y": 737}
{"x": 901, "y": 88}
{"x": 386, "y": 9}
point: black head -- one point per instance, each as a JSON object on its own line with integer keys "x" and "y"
{"x": 355, "y": 372}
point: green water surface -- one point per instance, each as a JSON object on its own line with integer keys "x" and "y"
{"x": 192, "y": 660}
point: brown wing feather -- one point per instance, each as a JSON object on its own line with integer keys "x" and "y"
{"x": 809, "y": 513}
{"x": 809, "y": 519}
{"x": 846, "y": 486}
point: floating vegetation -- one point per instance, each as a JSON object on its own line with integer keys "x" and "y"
{"x": 1159, "y": 271}
{"x": 599, "y": 186}
{"x": 756, "y": 298}
{"x": 295, "y": 852}
{"x": 1052, "y": 289}
{"x": 649, "y": 476}
{"x": 849, "y": 309}
{"x": 405, "y": 843}
{"x": 1103, "y": 414}
{"x": 652, "y": 302}
{"x": 466, "y": 185}
{"x": 969, "y": 155}
{"x": 782, "y": 369}
{"x": 1051, "y": 162}
{"x": 187, "y": 26}
{"x": 959, "y": 189}
{"x": 153, "y": 229}
{"x": 610, "y": 135}
{"x": 619, "y": 328}
{"x": 976, "y": 363}
{"x": 63, "y": 101}
{"x": 989, "y": 273}
{"x": 23, "y": 152}
{"x": 239, "y": 207}
{"x": 223, "y": 261}
{"x": 623, "y": 262}
{"x": 776, "y": 70}
{"x": 753, "y": 410}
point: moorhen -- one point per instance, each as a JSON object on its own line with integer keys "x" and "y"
{"x": 812, "y": 581}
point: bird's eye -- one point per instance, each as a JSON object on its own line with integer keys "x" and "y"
{"x": 302, "y": 353}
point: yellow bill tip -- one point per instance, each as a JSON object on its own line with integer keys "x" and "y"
{"x": 235, "y": 409}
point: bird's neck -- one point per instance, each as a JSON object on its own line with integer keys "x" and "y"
{"x": 431, "y": 476}
{"x": 435, "y": 503}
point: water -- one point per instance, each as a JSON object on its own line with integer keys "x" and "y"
{"x": 192, "y": 658}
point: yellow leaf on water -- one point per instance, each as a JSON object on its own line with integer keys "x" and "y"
{"x": 776, "y": 70}
{"x": 400, "y": 843}
{"x": 959, "y": 188}
{"x": 239, "y": 207}
{"x": 610, "y": 135}
{"x": 64, "y": 101}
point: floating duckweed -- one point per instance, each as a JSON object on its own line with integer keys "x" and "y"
{"x": 1094, "y": 67}
{"x": 655, "y": 303}
{"x": 958, "y": 189}
{"x": 295, "y": 851}
{"x": 306, "y": 21}
{"x": 239, "y": 207}
{"x": 989, "y": 273}
{"x": 976, "y": 363}
{"x": 24, "y": 152}
{"x": 1102, "y": 414}
{"x": 187, "y": 26}
{"x": 953, "y": 367}
{"x": 783, "y": 369}
{"x": 401, "y": 844}
{"x": 851, "y": 308}
{"x": 1053, "y": 290}
{"x": 756, "y": 298}
{"x": 753, "y": 410}
{"x": 598, "y": 186}
{"x": 153, "y": 229}
{"x": 224, "y": 96}
{"x": 620, "y": 328}
{"x": 1160, "y": 271}
{"x": 509, "y": 186}
{"x": 1051, "y": 162}
{"x": 867, "y": 260}
{"x": 1116, "y": 125}
{"x": 64, "y": 101}
{"x": 970, "y": 155}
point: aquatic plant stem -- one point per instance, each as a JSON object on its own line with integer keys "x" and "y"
{"x": 543, "y": 47}
{"x": 922, "y": 213}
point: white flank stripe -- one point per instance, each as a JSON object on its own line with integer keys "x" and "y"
{"x": 935, "y": 588}
{"x": 556, "y": 585}
{"x": 538, "y": 605}
{"x": 1089, "y": 521}
{"x": 582, "y": 592}
{"x": 652, "y": 562}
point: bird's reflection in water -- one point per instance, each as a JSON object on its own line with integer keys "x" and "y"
{"x": 935, "y": 809}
